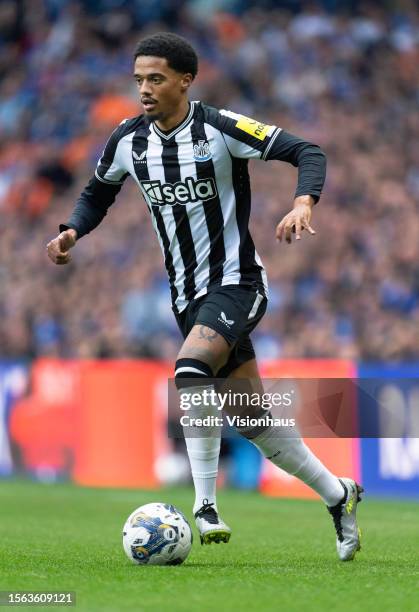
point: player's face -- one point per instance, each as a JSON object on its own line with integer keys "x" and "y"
{"x": 162, "y": 90}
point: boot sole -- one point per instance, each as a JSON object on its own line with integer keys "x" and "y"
{"x": 216, "y": 537}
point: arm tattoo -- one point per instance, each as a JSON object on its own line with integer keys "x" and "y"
{"x": 207, "y": 333}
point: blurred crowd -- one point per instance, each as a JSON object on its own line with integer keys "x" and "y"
{"x": 341, "y": 74}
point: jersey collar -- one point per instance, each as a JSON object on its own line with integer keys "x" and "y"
{"x": 177, "y": 129}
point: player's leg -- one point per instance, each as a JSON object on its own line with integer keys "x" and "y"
{"x": 293, "y": 455}
{"x": 215, "y": 323}
{"x": 290, "y": 453}
{"x": 202, "y": 354}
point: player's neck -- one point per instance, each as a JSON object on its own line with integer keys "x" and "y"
{"x": 177, "y": 118}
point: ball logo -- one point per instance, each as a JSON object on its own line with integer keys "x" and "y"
{"x": 169, "y": 533}
{"x": 192, "y": 190}
{"x": 136, "y": 520}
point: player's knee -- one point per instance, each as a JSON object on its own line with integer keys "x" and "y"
{"x": 214, "y": 360}
{"x": 191, "y": 372}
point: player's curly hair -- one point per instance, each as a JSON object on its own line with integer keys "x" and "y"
{"x": 179, "y": 54}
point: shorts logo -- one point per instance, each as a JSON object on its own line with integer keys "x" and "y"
{"x": 201, "y": 151}
{"x": 158, "y": 194}
{"x": 253, "y": 127}
{"x": 223, "y": 319}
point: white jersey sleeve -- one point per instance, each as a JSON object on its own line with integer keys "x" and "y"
{"x": 245, "y": 137}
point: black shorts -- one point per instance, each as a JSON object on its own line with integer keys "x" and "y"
{"x": 231, "y": 310}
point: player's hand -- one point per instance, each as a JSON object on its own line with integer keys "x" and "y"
{"x": 297, "y": 220}
{"x": 58, "y": 248}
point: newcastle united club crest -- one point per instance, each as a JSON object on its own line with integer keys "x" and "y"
{"x": 202, "y": 151}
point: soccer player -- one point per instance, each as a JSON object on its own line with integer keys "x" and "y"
{"x": 190, "y": 162}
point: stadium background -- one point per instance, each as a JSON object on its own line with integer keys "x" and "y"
{"x": 86, "y": 349}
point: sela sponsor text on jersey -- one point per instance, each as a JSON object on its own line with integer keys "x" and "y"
{"x": 191, "y": 190}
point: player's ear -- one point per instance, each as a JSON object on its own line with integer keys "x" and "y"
{"x": 186, "y": 81}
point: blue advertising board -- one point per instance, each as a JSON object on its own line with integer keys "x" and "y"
{"x": 13, "y": 383}
{"x": 390, "y": 462}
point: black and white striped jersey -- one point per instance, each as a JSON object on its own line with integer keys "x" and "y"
{"x": 195, "y": 183}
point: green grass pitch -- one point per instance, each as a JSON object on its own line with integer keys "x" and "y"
{"x": 281, "y": 555}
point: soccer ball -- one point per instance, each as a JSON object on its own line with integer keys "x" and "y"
{"x": 157, "y": 534}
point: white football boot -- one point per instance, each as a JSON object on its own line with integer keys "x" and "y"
{"x": 211, "y": 528}
{"x": 348, "y": 541}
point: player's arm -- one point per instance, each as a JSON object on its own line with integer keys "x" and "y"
{"x": 93, "y": 203}
{"x": 311, "y": 163}
{"x": 248, "y": 138}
